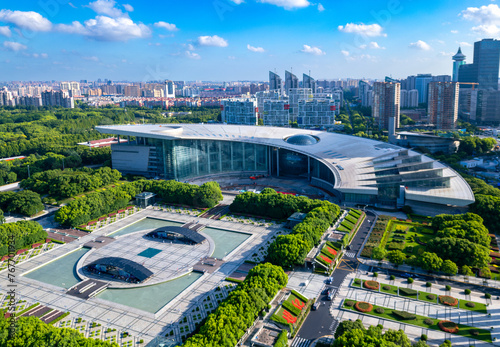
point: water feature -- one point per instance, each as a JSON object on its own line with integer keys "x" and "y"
{"x": 225, "y": 241}
{"x": 60, "y": 272}
{"x": 144, "y": 224}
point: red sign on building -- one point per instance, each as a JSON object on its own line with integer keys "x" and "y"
{"x": 333, "y": 108}
{"x": 287, "y": 107}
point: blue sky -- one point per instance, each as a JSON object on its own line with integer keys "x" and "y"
{"x": 237, "y": 39}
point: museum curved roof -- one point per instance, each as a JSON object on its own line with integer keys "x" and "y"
{"x": 350, "y": 158}
{"x": 187, "y": 233}
{"x": 137, "y": 270}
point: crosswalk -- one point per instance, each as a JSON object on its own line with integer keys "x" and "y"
{"x": 350, "y": 254}
{"x": 300, "y": 342}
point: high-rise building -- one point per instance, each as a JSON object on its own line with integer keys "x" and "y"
{"x": 458, "y": 60}
{"x": 485, "y": 67}
{"x": 169, "y": 89}
{"x": 421, "y": 84}
{"x": 309, "y": 82}
{"x": 365, "y": 95}
{"x": 317, "y": 112}
{"x": 275, "y": 82}
{"x": 239, "y": 111}
{"x": 132, "y": 91}
{"x": 294, "y": 96}
{"x": 57, "y": 98}
{"x": 386, "y": 103}
{"x": 291, "y": 81}
{"x": 443, "y": 104}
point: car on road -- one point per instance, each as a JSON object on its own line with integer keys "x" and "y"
{"x": 405, "y": 275}
{"x": 316, "y": 305}
{"x": 325, "y": 291}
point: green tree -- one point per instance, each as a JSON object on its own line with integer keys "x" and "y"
{"x": 396, "y": 257}
{"x": 449, "y": 267}
{"x": 348, "y": 325}
{"x": 288, "y": 251}
{"x": 379, "y": 253}
{"x": 431, "y": 261}
{"x": 466, "y": 271}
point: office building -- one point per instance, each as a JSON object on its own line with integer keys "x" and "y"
{"x": 386, "y": 103}
{"x": 239, "y": 111}
{"x": 169, "y": 89}
{"x": 365, "y": 94}
{"x": 421, "y": 84}
{"x": 291, "y": 81}
{"x": 485, "y": 67}
{"x": 443, "y": 104}
{"x": 275, "y": 82}
{"x": 458, "y": 60}
{"x": 57, "y": 98}
{"x": 308, "y": 82}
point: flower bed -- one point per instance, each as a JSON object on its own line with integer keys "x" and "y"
{"x": 448, "y": 326}
{"x": 328, "y": 260}
{"x": 448, "y": 300}
{"x": 363, "y": 307}
{"x": 331, "y": 251}
{"x": 373, "y": 285}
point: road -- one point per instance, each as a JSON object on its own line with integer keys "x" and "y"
{"x": 320, "y": 322}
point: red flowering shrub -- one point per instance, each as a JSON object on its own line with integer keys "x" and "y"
{"x": 373, "y": 285}
{"x": 363, "y": 306}
{"x": 448, "y": 326}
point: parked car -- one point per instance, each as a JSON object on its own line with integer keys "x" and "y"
{"x": 316, "y": 305}
{"x": 329, "y": 280}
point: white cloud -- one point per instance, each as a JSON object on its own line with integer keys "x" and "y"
{"x": 312, "y": 50}
{"x": 44, "y": 55}
{"x": 345, "y": 53}
{"x": 454, "y": 31}
{"x": 370, "y": 30}
{"x": 91, "y": 58}
{"x": 26, "y": 20}
{"x": 321, "y": 8}
{"x": 192, "y": 55}
{"x": 213, "y": 41}
{"x": 106, "y": 7}
{"x": 256, "y": 49}
{"x": 104, "y": 28}
{"x": 372, "y": 45}
{"x": 231, "y": 57}
{"x": 168, "y": 26}
{"x": 287, "y": 4}
{"x": 154, "y": 44}
{"x": 464, "y": 44}
{"x": 5, "y": 31}
{"x": 14, "y": 46}
{"x": 128, "y": 8}
{"x": 420, "y": 45}
{"x": 190, "y": 47}
{"x": 238, "y": 2}
{"x": 349, "y": 57}
{"x": 488, "y": 18}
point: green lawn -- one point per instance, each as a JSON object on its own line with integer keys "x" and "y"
{"x": 357, "y": 285}
{"x": 413, "y": 230}
{"x": 422, "y": 296}
{"x": 484, "y": 335}
{"x": 478, "y": 307}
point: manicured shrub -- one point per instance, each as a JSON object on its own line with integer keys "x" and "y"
{"x": 373, "y": 285}
{"x": 363, "y": 306}
{"x": 448, "y": 287}
{"x": 423, "y": 337}
{"x": 407, "y": 292}
{"x": 375, "y": 274}
{"x": 349, "y": 303}
{"x": 403, "y": 315}
{"x": 467, "y": 291}
{"x": 379, "y": 310}
{"x": 448, "y": 300}
{"x": 386, "y": 287}
{"x": 357, "y": 281}
{"x": 487, "y": 296}
{"x": 474, "y": 332}
{"x": 470, "y": 304}
{"x": 392, "y": 277}
{"x": 428, "y": 321}
{"x": 410, "y": 280}
{"x": 431, "y": 296}
{"x": 428, "y": 284}
{"x": 448, "y": 326}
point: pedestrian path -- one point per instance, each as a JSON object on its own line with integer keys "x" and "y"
{"x": 350, "y": 254}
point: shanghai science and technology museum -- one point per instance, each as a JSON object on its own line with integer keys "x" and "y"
{"x": 353, "y": 169}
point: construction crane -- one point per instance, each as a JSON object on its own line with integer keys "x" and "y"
{"x": 471, "y": 83}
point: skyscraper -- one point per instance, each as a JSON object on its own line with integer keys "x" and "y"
{"x": 291, "y": 81}
{"x": 169, "y": 89}
{"x": 274, "y": 81}
{"x": 308, "y": 82}
{"x": 386, "y": 103}
{"x": 458, "y": 60}
{"x": 443, "y": 104}
{"x": 484, "y": 69}
{"x": 421, "y": 84}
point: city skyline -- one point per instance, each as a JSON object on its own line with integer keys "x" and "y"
{"x": 61, "y": 40}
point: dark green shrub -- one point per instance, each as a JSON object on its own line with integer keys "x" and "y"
{"x": 392, "y": 277}
{"x": 487, "y": 296}
{"x": 448, "y": 287}
{"x": 386, "y": 287}
{"x": 423, "y": 337}
{"x": 407, "y": 292}
{"x": 431, "y": 296}
{"x": 410, "y": 280}
{"x": 357, "y": 281}
{"x": 428, "y": 321}
{"x": 403, "y": 315}
{"x": 428, "y": 284}
{"x": 349, "y": 303}
{"x": 470, "y": 304}
{"x": 379, "y": 310}
{"x": 375, "y": 274}
{"x": 467, "y": 291}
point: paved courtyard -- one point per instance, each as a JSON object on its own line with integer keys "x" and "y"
{"x": 191, "y": 305}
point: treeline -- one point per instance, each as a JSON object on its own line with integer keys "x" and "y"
{"x": 292, "y": 249}
{"x": 32, "y": 332}
{"x": 22, "y": 233}
{"x": 236, "y": 314}
{"x": 25, "y": 202}
{"x": 67, "y": 183}
{"x": 289, "y": 250}
{"x": 97, "y": 204}
{"x": 487, "y": 203}
{"x": 274, "y": 205}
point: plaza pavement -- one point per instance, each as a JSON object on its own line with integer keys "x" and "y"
{"x": 138, "y": 323}
{"x": 422, "y": 308}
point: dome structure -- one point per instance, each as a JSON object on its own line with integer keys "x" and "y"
{"x": 302, "y": 140}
